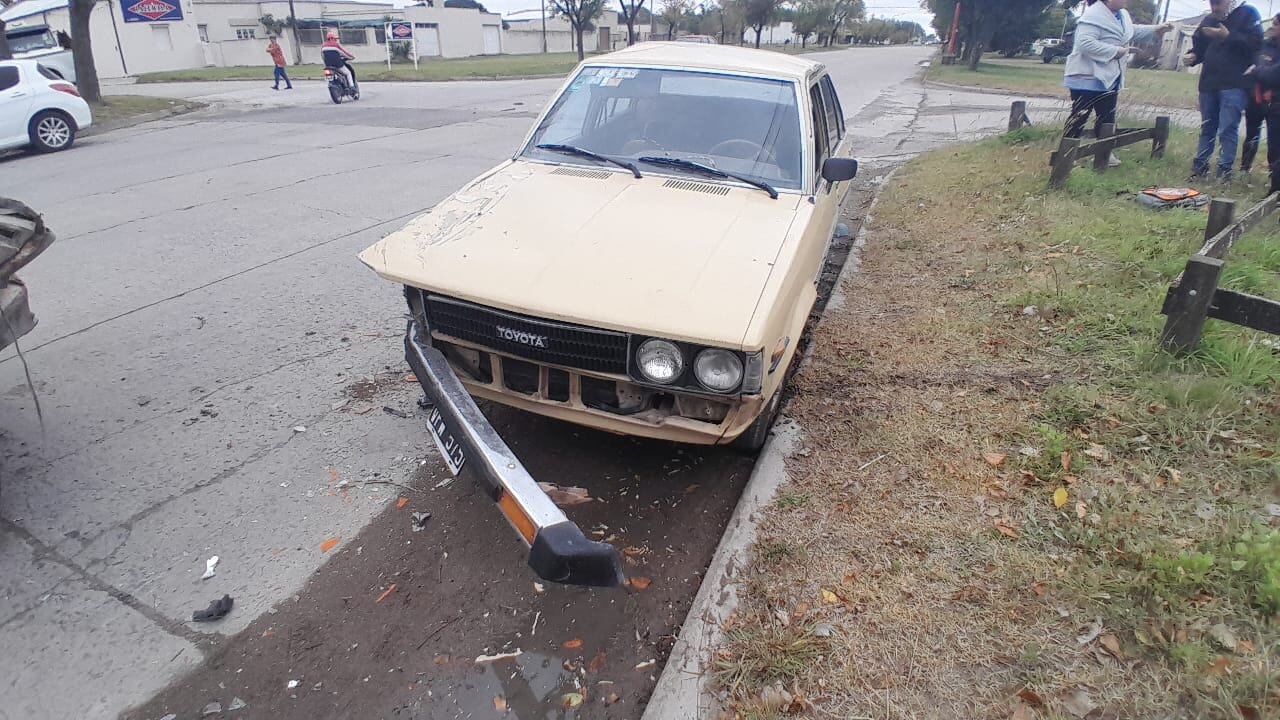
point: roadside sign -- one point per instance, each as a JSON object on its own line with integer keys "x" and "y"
{"x": 151, "y": 10}
{"x": 399, "y": 31}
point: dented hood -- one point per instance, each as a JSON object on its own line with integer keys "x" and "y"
{"x": 676, "y": 258}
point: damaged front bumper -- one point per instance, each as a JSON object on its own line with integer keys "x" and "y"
{"x": 558, "y": 551}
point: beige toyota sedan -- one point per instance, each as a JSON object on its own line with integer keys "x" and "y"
{"x": 644, "y": 265}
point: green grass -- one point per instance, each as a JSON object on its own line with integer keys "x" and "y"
{"x": 122, "y": 107}
{"x": 486, "y": 67}
{"x": 1174, "y": 458}
{"x": 1031, "y": 76}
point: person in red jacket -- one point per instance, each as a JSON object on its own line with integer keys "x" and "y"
{"x": 336, "y": 57}
{"x": 277, "y": 56}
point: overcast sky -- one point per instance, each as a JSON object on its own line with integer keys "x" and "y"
{"x": 902, "y": 9}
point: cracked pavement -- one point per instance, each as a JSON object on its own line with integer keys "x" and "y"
{"x": 202, "y": 301}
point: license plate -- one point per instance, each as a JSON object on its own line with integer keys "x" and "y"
{"x": 450, "y": 450}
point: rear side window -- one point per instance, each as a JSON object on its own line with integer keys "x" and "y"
{"x": 49, "y": 72}
{"x": 8, "y": 77}
{"x": 835, "y": 115}
{"x": 820, "y": 134}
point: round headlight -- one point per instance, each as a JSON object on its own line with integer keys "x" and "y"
{"x": 718, "y": 370}
{"x": 660, "y": 361}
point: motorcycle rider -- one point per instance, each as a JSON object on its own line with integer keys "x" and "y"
{"x": 336, "y": 57}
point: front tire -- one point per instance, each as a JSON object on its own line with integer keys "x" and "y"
{"x": 51, "y": 131}
{"x": 751, "y": 440}
{"x": 335, "y": 94}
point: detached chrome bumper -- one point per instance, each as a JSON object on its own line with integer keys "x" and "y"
{"x": 558, "y": 551}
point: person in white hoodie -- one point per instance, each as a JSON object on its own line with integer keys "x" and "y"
{"x": 1104, "y": 40}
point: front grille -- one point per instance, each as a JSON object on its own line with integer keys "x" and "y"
{"x": 544, "y": 341}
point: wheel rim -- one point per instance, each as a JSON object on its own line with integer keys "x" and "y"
{"x": 53, "y": 131}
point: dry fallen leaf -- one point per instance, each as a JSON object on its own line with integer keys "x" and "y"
{"x": 597, "y": 662}
{"x": 612, "y": 699}
{"x": 1111, "y": 644}
{"x": 1066, "y": 461}
{"x": 639, "y": 583}
{"x": 565, "y": 496}
{"x": 1059, "y": 497}
{"x": 829, "y": 597}
{"x": 329, "y": 544}
{"x": 994, "y": 459}
{"x": 385, "y": 593}
{"x": 441, "y": 660}
{"x": 500, "y": 704}
{"x": 574, "y": 644}
{"x": 633, "y": 551}
{"x": 1022, "y": 712}
{"x": 1031, "y": 697}
{"x": 1078, "y": 702}
{"x": 646, "y": 664}
{"x": 401, "y": 503}
{"x": 1220, "y": 667}
{"x": 571, "y": 700}
{"x": 1007, "y": 528}
{"x": 1098, "y": 452}
{"x": 410, "y": 378}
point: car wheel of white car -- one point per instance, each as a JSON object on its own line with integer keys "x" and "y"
{"x": 755, "y": 436}
{"x": 52, "y": 131}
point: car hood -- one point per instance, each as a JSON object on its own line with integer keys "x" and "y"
{"x": 671, "y": 257}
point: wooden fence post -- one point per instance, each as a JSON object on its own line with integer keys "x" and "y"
{"x": 1161, "y": 139}
{"x": 1188, "y": 304}
{"x": 1063, "y": 162}
{"x": 1018, "y": 115}
{"x": 1222, "y": 213}
{"x": 1106, "y": 143}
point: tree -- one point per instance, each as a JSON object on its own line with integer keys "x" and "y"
{"x": 809, "y": 17}
{"x": 759, "y": 14}
{"x": 981, "y": 20}
{"x": 468, "y": 4}
{"x": 272, "y": 25}
{"x": 82, "y": 50}
{"x": 581, "y": 15}
{"x": 842, "y": 13}
{"x": 673, "y": 12}
{"x": 630, "y": 9}
{"x": 5, "y": 53}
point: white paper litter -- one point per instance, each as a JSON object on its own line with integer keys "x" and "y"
{"x": 209, "y": 565}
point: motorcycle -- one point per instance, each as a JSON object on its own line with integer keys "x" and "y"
{"x": 340, "y": 86}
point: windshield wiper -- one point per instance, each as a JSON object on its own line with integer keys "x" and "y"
{"x": 583, "y": 152}
{"x": 708, "y": 170}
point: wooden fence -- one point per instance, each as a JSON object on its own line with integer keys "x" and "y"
{"x": 1195, "y": 296}
{"x": 1072, "y": 150}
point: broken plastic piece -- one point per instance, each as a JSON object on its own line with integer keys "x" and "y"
{"x": 237, "y": 704}
{"x": 292, "y": 684}
{"x": 217, "y": 610}
{"x": 209, "y": 565}
{"x": 212, "y": 708}
{"x": 482, "y": 659}
{"x": 393, "y": 411}
{"x": 420, "y": 521}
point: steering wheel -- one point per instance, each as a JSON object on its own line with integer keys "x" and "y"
{"x": 641, "y": 145}
{"x": 743, "y": 149}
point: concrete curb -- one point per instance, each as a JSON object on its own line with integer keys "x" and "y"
{"x": 683, "y": 690}
{"x": 106, "y": 127}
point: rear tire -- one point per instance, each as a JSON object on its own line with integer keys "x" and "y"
{"x": 757, "y": 434}
{"x": 335, "y": 94}
{"x": 51, "y": 131}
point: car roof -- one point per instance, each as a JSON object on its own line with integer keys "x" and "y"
{"x": 22, "y": 62}
{"x": 700, "y": 56}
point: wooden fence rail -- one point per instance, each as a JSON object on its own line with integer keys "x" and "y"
{"x": 1195, "y": 296}
{"x": 1072, "y": 150}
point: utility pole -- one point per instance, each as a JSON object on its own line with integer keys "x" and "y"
{"x": 1165, "y": 17}
{"x": 543, "y": 6}
{"x": 955, "y": 32}
{"x": 293, "y": 31}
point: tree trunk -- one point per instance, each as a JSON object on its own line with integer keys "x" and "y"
{"x": 5, "y": 54}
{"x": 803, "y": 39}
{"x": 82, "y": 51}
{"x": 578, "y": 30}
{"x": 975, "y": 55}
{"x": 631, "y": 31}
{"x": 758, "y": 28}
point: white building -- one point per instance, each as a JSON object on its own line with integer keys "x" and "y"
{"x": 779, "y": 34}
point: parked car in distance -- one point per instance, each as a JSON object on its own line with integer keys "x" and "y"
{"x": 645, "y": 264}
{"x": 704, "y": 39}
{"x": 38, "y": 108}
{"x": 1059, "y": 51}
{"x": 42, "y": 43}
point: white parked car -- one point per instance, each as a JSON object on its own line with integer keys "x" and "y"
{"x": 39, "y": 108}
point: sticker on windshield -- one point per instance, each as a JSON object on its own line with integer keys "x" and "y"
{"x": 612, "y": 82}
{"x": 626, "y": 74}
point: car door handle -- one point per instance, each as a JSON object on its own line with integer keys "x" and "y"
{"x": 18, "y": 94}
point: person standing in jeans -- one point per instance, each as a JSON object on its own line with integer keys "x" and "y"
{"x": 1095, "y": 68}
{"x": 1225, "y": 45}
{"x": 1267, "y": 76}
{"x": 277, "y": 57}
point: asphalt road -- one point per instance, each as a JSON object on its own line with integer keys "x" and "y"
{"x": 212, "y": 363}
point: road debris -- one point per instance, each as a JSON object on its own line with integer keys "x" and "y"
{"x": 385, "y": 593}
{"x": 500, "y": 703}
{"x": 646, "y": 664}
{"x": 485, "y": 659}
{"x": 534, "y": 630}
{"x": 401, "y": 503}
{"x": 638, "y": 583}
{"x": 237, "y": 704}
{"x": 209, "y": 565}
{"x": 539, "y": 588}
{"x": 299, "y": 428}
{"x": 444, "y": 483}
{"x": 574, "y": 644}
{"x": 393, "y": 411}
{"x": 217, "y": 610}
{"x": 213, "y": 708}
{"x": 571, "y": 700}
{"x": 292, "y": 684}
{"x": 329, "y": 544}
{"x": 565, "y": 496}
{"x": 420, "y": 521}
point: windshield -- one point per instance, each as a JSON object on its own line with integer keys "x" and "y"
{"x": 748, "y": 126}
{"x": 28, "y": 41}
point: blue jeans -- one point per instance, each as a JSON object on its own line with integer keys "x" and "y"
{"x": 281, "y": 75}
{"x": 1220, "y": 113}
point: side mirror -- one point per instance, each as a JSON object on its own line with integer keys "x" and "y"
{"x": 839, "y": 169}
